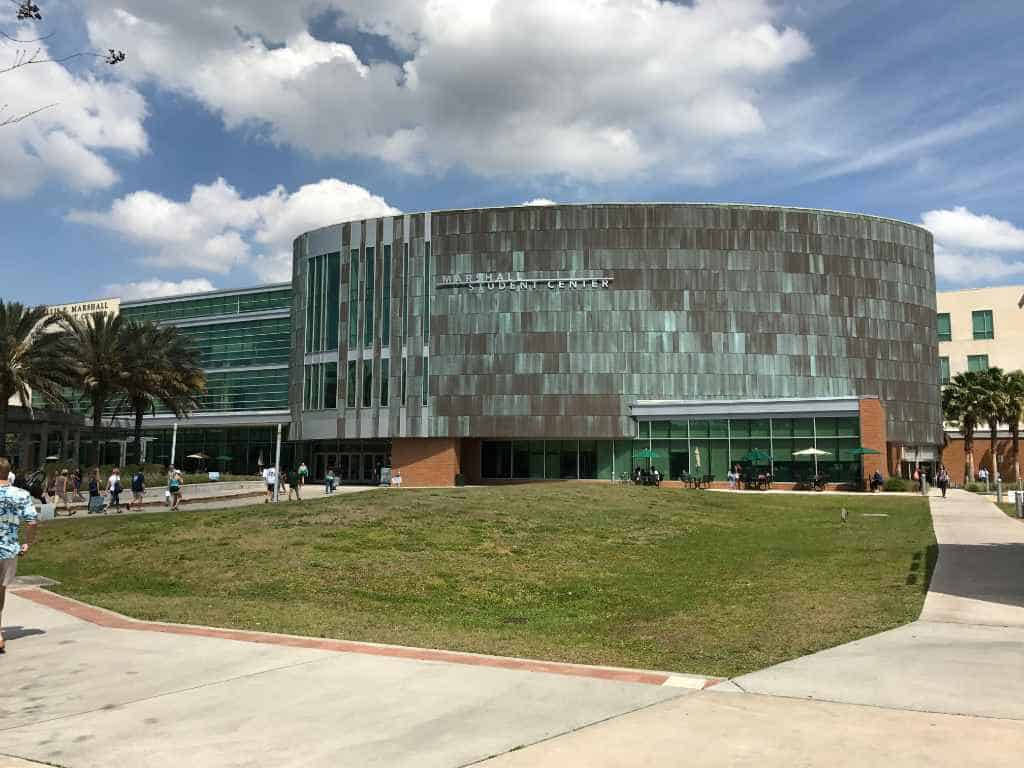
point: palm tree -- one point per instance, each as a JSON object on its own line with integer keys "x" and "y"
{"x": 961, "y": 400}
{"x": 1014, "y": 388}
{"x": 994, "y": 409}
{"x": 100, "y": 349}
{"x": 33, "y": 358}
{"x": 161, "y": 367}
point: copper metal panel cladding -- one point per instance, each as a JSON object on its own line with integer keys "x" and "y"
{"x": 699, "y": 302}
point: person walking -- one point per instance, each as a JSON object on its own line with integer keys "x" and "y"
{"x": 114, "y": 488}
{"x": 16, "y": 507}
{"x": 294, "y": 484}
{"x": 138, "y": 488}
{"x": 270, "y": 478}
{"x": 96, "y": 505}
{"x": 76, "y": 484}
{"x": 943, "y": 479}
{"x": 60, "y": 490}
{"x": 303, "y": 473}
{"x": 174, "y": 488}
{"x": 330, "y": 481}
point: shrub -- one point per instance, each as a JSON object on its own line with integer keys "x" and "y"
{"x": 896, "y": 485}
{"x": 974, "y": 487}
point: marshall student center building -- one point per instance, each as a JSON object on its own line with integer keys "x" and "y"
{"x": 574, "y": 342}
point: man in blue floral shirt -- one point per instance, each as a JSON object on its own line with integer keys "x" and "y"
{"x": 16, "y": 507}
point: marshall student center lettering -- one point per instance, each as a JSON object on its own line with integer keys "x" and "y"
{"x": 509, "y": 281}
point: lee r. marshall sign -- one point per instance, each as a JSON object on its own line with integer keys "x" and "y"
{"x": 514, "y": 281}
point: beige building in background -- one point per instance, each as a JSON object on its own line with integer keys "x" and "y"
{"x": 980, "y": 328}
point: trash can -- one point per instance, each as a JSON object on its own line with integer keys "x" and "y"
{"x": 385, "y": 476}
{"x": 460, "y": 481}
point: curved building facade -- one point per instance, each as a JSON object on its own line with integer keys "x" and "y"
{"x": 569, "y": 340}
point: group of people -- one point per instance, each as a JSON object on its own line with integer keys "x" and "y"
{"x": 294, "y": 479}
{"x": 650, "y": 476}
{"x": 736, "y": 477}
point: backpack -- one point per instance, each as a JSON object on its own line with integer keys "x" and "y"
{"x": 137, "y": 482}
{"x": 174, "y": 485}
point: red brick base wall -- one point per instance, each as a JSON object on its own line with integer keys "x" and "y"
{"x": 954, "y": 457}
{"x": 872, "y": 435}
{"x": 426, "y": 461}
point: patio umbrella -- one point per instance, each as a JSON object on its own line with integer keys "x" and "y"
{"x": 862, "y": 451}
{"x": 757, "y": 456}
{"x": 696, "y": 458}
{"x": 223, "y": 458}
{"x": 646, "y": 453}
{"x": 815, "y": 452}
{"x": 197, "y": 456}
{"x": 52, "y": 458}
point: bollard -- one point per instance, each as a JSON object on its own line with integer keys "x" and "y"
{"x": 999, "y": 491}
{"x": 1020, "y": 504}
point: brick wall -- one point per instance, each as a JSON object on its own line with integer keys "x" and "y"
{"x": 872, "y": 435}
{"x": 426, "y": 461}
{"x": 953, "y": 456}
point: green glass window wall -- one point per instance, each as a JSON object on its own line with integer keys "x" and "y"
{"x": 368, "y": 265}
{"x": 212, "y": 306}
{"x": 231, "y": 345}
{"x": 695, "y": 446}
{"x": 353, "y": 298}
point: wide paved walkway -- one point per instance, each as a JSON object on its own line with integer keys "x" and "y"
{"x": 82, "y": 687}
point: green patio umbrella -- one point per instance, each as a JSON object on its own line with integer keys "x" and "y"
{"x": 860, "y": 450}
{"x": 757, "y": 456}
{"x": 646, "y": 453}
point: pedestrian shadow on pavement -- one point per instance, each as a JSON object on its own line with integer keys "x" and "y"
{"x": 14, "y": 633}
{"x": 992, "y": 573}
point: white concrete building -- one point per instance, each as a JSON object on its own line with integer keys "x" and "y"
{"x": 980, "y": 328}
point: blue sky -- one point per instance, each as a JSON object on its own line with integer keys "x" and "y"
{"x": 235, "y": 125}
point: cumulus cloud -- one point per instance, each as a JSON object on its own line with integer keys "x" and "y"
{"x": 83, "y": 119}
{"x": 218, "y": 230}
{"x": 587, "y": 89}
{"x": 156, "y": 288}
{"x": 973, "y": 248}
{"x": 540, "y": 201}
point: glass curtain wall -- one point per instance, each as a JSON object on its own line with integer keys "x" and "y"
{"x": 213, "y": 306}
{"x": 695, "y": 446}
{"x": 353, "y": 299}
{"x": 322, "y": 302}
{"x": 368, "y": 264}
{"x": 385, "y": 297}
{"x": 321, "y": 386}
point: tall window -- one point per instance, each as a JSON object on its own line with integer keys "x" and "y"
{"x": 405, "y": 292}
{"x": 320, "y": 386}
{"x": 426, "y": 379}
{"x": 367, "y": 383}
{"x": 322, "y": 302}
{"x": 353, "y": 300}
{"x": 385, "y": 297}
{"x": 385, "y": 372}
{"x": 982, "y": 322}
{"x": 405, "y": 374}
{"x": 943, "y": 370}
{"x": 426, "y": 292}
{"x": 368, "y": 298}
{"x": 351, "y": 385}
{"x": 944, "y": 328}
{"x": 977, "y": 362}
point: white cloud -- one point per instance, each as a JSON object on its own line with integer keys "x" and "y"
{"x": 588, "y": 89}
{"x": 218, "y": 230}
{"x": 540, "y": 201}
{"x": 973, "y": 248}
{"x": 69, "y": 141}
{"x": 156, "y": 288}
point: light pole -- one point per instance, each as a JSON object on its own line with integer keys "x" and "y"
{"x": 174, "y": 442}
{"x": 277, "y": 466}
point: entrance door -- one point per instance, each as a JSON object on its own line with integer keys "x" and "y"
{"x": 320, "y": 465}
{"x": 342, "y": 468}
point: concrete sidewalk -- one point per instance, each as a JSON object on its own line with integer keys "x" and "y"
{"x": 78, "y": 694}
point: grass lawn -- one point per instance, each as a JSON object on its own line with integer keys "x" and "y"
{"x": 1009, "y": 509}
{"x": 688, "y": 581}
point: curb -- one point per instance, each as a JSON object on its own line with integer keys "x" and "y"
{"x": 111, "y": 620}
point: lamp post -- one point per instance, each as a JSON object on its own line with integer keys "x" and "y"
{"x": 277, "y": 466}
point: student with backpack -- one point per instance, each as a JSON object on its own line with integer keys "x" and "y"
{"x": 174, "y": 484}
{"x": 114, "y": 487}
{"x": 138, "y": 488}
{"x": 96, "y": 505}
